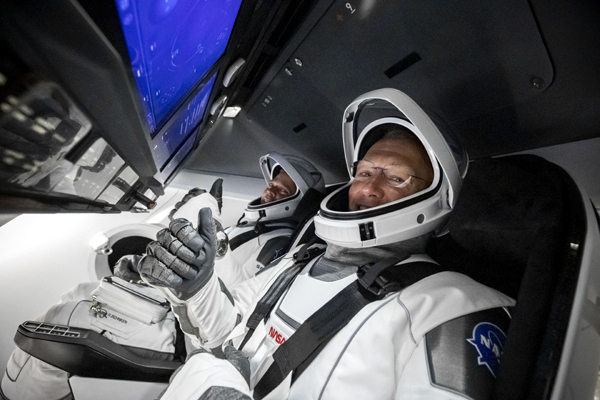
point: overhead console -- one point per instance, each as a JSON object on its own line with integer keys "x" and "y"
{"x": 101, "y": 102}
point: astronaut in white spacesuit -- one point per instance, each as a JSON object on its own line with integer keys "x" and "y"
{"x": 293, "y": 193}
{"x": 371, "y": 318}
{"x": 138, "y": 318}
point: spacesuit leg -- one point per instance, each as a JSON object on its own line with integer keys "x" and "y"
{"x": 26, "y": 377}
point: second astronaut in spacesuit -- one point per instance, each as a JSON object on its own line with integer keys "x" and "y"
{"x": 272, "y": 222}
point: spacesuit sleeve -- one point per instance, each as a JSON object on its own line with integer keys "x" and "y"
{"x": 457, "y": 338}
{"x": 208, "y": 316}
{"x": 212, "y": 313}
{"x": 205, "y": 377}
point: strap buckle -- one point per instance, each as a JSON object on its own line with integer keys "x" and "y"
{"x": 306, "y": 252}
{"x": 379, "y": 285}
{"x": 306, "y": 255}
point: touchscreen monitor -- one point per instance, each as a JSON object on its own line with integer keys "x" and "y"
{"x": 172, "y": 44}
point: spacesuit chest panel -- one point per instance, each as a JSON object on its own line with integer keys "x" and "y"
{"x": 305, "y": 296}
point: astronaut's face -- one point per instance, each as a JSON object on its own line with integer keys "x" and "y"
{"x": 280, "y": 187}
{"x": 391, "y": 169}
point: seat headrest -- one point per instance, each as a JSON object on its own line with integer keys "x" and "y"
{"x": 506, "y": 207}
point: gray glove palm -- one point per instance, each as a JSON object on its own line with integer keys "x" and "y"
{"x": 182, "y": 259}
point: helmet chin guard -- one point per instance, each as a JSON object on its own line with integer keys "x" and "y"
{"x": 423, "y": 212}
{"x": 304, "y": 175}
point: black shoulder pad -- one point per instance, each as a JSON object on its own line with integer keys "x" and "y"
{"x": 249, "y": 233}
{"x": 272, "y": 249}
{"x": 464, "y": 354}
{"x": 241, "y": 236}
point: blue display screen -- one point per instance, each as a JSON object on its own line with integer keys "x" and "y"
{"x": 177, "y": 158}
{"x": 182, "y": 125}
{"x": 172, "y": 44}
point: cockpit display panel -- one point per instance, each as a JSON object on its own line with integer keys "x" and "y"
{"x": 171, "y": 45}
{"x": 183, "y": 124}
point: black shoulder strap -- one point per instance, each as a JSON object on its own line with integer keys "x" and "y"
{"x": 266, "y": 303}
{"x": 242, "y": 238}
{"x": 272, "y": 250}
{"x": 296, "y": 353}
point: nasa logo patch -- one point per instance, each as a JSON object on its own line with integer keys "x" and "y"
{"x": 488, "y": 339}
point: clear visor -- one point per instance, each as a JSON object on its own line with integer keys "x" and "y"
{"x": 412, "y": 168}
{"x": 279, "y": 188}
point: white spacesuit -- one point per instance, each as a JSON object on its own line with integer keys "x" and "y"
{"x": 138, "y": 318}
{"x": 371, "y": 318}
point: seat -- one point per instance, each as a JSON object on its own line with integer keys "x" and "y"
{"x": 523, "y": 227}
{"x": 86, "y": 353}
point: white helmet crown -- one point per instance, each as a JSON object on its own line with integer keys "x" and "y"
{"x": 412, "y": 216}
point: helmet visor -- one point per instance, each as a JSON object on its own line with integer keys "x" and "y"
{"x": 390, "y": 160}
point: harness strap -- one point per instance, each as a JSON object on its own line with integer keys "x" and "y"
{"x": 369, "y": 276}
{"x": 283, "y": 281}
{"x": 240, "y": 220}
{"x": 242, "y": 238}
{"x": 296, "y": 353}
{"x": 258, "y": 227}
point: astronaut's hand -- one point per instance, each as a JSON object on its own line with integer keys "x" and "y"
{"x": 182, "y": 259}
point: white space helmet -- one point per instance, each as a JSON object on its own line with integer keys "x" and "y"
{"x": 412, "y": 216}
{"x": 302, "y": 172}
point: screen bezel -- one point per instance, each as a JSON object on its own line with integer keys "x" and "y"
{"x": 193, "y": 131}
